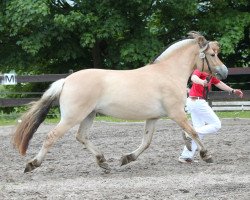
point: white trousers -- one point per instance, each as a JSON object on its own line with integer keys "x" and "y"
{"x": 204, "y": 120}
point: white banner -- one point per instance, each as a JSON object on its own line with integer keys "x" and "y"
{"x": 9, "y": 79}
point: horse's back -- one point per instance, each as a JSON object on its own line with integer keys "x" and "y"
{"x": 129, "y": 94}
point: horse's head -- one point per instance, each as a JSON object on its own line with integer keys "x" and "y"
{"x": 208, "y": 60}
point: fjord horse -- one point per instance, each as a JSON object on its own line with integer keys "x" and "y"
{"x": 147, "y": 93}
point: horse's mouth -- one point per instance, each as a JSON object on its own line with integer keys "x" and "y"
{"x": 221, "y": 72}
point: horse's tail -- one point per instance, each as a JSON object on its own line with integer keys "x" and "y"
{"x": 32, "y": 119}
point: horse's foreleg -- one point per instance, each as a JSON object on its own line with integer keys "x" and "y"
{"x": 83, "y": 137}
{"x": 184, "y": 124}
{"x": 146, "y": 140}
{"x": 51, "y": 138}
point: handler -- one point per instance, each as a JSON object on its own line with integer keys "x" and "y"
{"x": 204, "y": 120}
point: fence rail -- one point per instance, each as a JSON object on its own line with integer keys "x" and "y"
{"x": 239, "y": 71}
{"x": 38, "y": 78}
{"x": 222, "y": 96}
{"x": 9, "y": 102}
{"x": 231, "y": 105}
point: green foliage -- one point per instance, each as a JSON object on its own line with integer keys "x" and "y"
{"x": 53, "y": 36}
{"x": 239, "y": 114}
{"x": 139, "y": 50}
{"x": 228, "y": 22}
{"x": 21, "y": 16}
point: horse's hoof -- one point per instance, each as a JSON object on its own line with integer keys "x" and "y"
{"x": 101, "y": 161}
{"x": 105, "y": 166}
{"x": 127, "y": 159}
{"x": 209, "y": 160}
{"x": 31, "y": 166}
{"x": 206, "y": 157}
{"x": 123, "y": 160}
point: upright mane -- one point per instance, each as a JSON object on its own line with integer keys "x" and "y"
{"x": 172, "y": 48}
{"x": 191, "y": 36}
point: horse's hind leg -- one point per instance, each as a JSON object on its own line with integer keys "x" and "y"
{"x": 146, "y": 140}
{"x": 83, "y": 137}
{"x": 51, "y": 138}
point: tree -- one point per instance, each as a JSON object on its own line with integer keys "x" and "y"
{"x": 227, "y": 21}
{"x": 53, "y": 36}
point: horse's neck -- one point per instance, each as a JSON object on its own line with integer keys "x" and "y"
{"x": 181, "y": 63}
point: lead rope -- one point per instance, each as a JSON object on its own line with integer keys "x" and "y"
{"x": 205, "y": 90}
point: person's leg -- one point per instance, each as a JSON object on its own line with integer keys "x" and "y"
{"x": 197, "y": 121}
{"x": 212, "y": 122}
{"x": 204, "y": 120}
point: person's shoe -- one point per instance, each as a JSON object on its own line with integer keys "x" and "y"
{"x": 187, "y": 140}
{"x": 185, "y": 160}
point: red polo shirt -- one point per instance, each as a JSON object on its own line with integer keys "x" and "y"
{"x": 197, "y": 90}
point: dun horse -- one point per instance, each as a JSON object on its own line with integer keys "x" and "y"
{"x": 147, "y": 93}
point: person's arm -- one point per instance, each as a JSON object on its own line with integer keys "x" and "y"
{"x": 225, "y": 87}
{"x": 197, "y": 80}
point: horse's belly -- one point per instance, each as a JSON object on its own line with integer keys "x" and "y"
{"x": 132, "y": 111}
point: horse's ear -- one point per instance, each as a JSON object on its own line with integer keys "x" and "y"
{"x": 202, "y": 41}
{"x": 193, "y": 34}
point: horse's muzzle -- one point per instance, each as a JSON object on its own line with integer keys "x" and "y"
{"x": 221, "y": 72}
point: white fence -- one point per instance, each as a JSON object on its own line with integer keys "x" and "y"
{"x": 231, "y": 105}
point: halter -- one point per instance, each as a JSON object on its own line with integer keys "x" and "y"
{"x": 204, "y": 58}
{"x": 205, "y": 90}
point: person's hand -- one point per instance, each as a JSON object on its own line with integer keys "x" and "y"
{"x": 204, "y": 83}
{"x": 238, "y": 92}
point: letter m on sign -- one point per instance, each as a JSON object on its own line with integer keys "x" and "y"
{"x": 9, "y": 79}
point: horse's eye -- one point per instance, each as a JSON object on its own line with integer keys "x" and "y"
{"x": 213, "y": 55}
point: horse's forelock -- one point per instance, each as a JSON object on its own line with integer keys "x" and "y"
{"x": 215, "y": 46}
